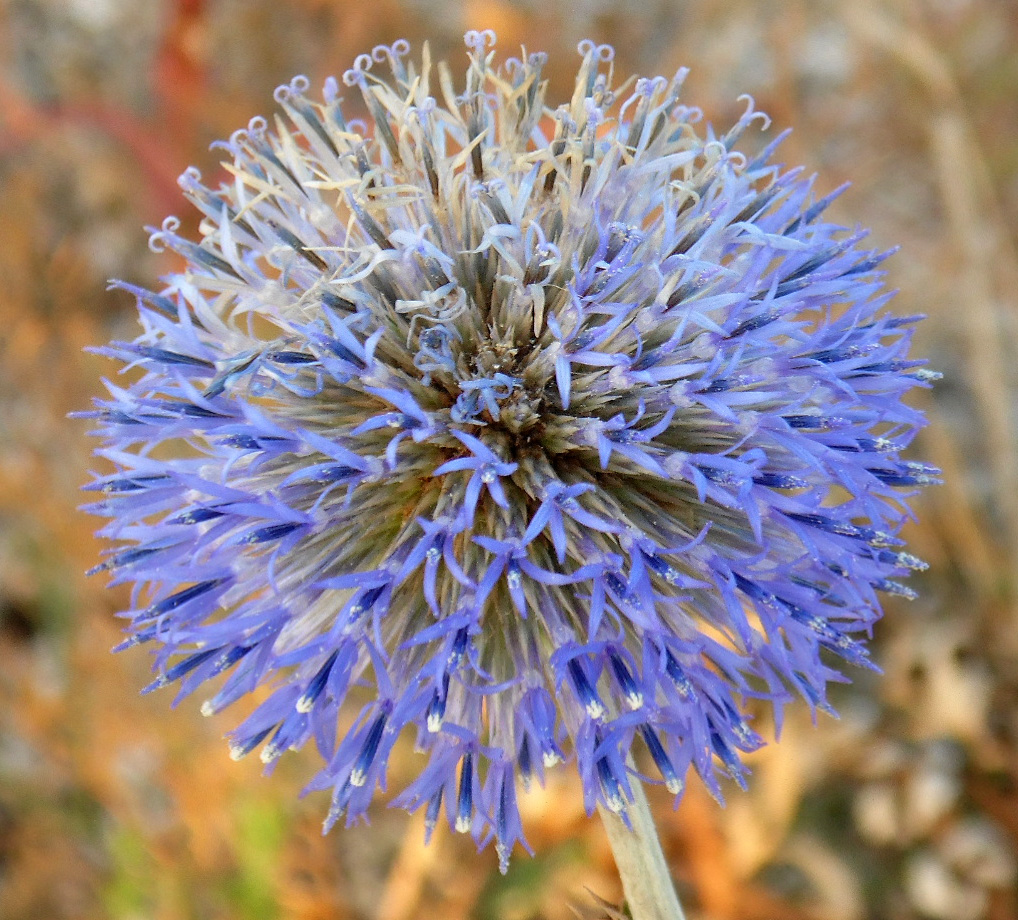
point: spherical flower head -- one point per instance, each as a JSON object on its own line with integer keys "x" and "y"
{"x": 538, "y": 434}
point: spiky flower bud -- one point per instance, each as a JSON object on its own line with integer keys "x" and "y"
{"x": 537, "y": 433}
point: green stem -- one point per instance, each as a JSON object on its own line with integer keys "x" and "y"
{"x": 646, "y": 880}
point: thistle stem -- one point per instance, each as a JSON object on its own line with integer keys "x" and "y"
{"x": 646, "y": 881}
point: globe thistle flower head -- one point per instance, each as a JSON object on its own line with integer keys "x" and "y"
{"x": 537, "y": 434}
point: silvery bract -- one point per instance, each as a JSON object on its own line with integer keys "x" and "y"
{"x": 537, "y": 434}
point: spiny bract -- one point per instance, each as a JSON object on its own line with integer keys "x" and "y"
{"x": 532, "y": 431}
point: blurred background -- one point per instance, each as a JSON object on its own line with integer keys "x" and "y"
{"x": 112, "y": 805}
